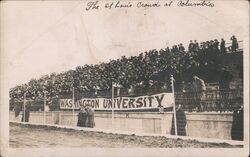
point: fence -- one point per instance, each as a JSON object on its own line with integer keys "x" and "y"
{"x": 208, "y": 100}
{"x": 196, "y": 116}
{"x": 229, "y": 47}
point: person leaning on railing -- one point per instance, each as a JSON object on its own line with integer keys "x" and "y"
{"x": 199, "y": 88}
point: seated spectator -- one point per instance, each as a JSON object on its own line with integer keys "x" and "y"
{"x": 96, "y": 80}
{"x": 187, "y": 87}
{"x": 131, "y": 90}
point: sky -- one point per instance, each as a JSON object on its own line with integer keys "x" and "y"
{"x": 41, "y": 37}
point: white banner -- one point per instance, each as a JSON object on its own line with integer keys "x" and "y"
{"x": 122, "y": 103}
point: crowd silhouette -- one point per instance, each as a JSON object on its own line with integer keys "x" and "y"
{"x": 148, "y": 70}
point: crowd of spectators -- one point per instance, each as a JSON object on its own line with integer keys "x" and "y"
{"x": 148, "y": 70}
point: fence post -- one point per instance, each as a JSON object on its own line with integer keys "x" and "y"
{"x": 175, "y": 123}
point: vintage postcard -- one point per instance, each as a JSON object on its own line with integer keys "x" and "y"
{"x": 124, "y": 78}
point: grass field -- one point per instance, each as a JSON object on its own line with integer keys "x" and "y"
{"x": 23, "y": 136}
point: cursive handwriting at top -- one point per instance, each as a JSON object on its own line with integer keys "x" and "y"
{"x": 94, "y": 5}
{"x": 147, "y": 4}
{"x": 118, "y": 4}
{"x": 194, "y": 4}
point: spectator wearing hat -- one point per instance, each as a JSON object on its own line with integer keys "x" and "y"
{"x": 216, "y": 45}
{"x": 234, "y": 43}
{"x": 181, "y": 48}
{"x": 90, "y": 117}
{"x": 191, "y": 46}
{"x": 222, "y": 46}
{"x": 82, "y": 117}
{"x": 196, "y": 46}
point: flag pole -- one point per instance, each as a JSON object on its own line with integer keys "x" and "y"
{"x": 175, "y": 123}
{"x": 73, "y": 97}
{"x": 24, "y": 99}
{"x": 44, "y": 105}
{"x": 112, "y": 118}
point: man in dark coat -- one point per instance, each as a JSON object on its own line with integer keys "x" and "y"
{"x": 222, "y": 46}
{"x": 191, "y": 46}
{"x": 82, "y": 117}
{"x": 237, "y": 130}
{"x": 234, "y": 43}
{"x": 181, "y": 122}
{"x": 90, "y": 117}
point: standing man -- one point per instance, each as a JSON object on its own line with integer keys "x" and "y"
{"x": 234, "y": 43}
{"x": 222, "y": 46}
{"x": 199, "y": 88}
{"x": 216, "y": 45}
{"x": 90, "y": 117}
{"x": 181, "y": 122}
{"x": 196, "y": 46}
{"x": 82, "y": 117}
{"x": 238, "y": 123}
{"x": 191, "y": 46}
{"x": 187, "y": 91}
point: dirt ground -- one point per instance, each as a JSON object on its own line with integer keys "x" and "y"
{"x": 40, "y": 136}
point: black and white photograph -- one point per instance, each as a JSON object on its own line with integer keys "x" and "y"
{"x": 124, "y": 78}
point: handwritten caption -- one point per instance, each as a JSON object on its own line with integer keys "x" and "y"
{"x": 96, "y": 5}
